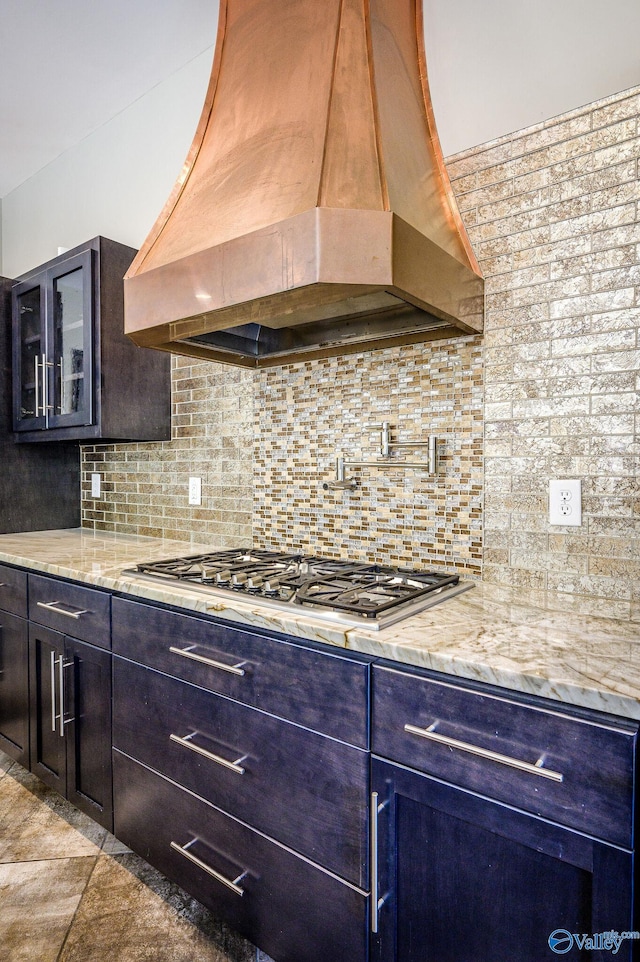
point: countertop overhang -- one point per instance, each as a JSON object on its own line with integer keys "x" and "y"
{"x": 541, "y": 643}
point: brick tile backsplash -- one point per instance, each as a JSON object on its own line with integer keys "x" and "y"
{"x": 561, "y": 256}
{"x": 551, "y": 390}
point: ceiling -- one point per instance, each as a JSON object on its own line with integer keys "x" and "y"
{"x": 69, "y": 66}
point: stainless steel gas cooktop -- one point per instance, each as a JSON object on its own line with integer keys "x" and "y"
{"x": 353, "y": 594}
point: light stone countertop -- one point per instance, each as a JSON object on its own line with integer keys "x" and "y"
{"x": 555, "y": 646}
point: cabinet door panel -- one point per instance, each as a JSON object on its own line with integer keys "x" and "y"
{"x": 14, "y": 687}
{"x": 289, "y": 907}
{"x": 323, "y": 691}
{"x": 88, "y": 730}
{"x": 48, "y": 744}
{"x": 321, "y": 784}
{"x": 29, "y": 353}
{"x": 70, "y": 342}
{"x": 464, "y": 877}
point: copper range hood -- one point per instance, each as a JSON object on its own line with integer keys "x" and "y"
{"x": 314, "y": 215}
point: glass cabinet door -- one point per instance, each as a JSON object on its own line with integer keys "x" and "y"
{"x": 29, "y": 357}
{"x": 69, "y": 337}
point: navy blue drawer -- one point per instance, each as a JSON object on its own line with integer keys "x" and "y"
{"x": 303, "y": 789}
{"x": 72, "y": 609}
{"x": 578, "y": 771}
{"x": 288, "y": 907}
{"x": 13, "y": 590}
{"x": 326, "y": 692}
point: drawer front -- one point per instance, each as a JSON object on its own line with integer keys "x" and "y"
{"x": 325, "y": 692}
{"x": 13, "y": 590}
{"x": 293, "y": 910}
{"x": 306, "y": 790}
{"x": 75, "y": 610}
{"x": 578, "y": 773}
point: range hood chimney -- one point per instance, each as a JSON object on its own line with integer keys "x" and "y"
{"x": 314, "y": 214}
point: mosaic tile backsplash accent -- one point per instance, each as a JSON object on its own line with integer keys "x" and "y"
{"x": 553, "y": 214}
{"x": 311, "y": 412}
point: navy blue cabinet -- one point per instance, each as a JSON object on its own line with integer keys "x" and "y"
{"x": 70, "y": 693}
{"x": 39, "y": 484}
{"x": 14, "y": 665}
{"x": 70, "y": 354}
{"x": 70, "y": 698}
{"x": 475, "y": 795}
{"x": 241, "y": 771}
{"x": 326, "y": 805}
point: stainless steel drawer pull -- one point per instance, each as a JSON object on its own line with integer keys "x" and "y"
{"x": 187, "y": 743}
{"x": 3, "y": 584}
{"x": 233, "y": 885}
{"x": 55, "y": 606}
{"x": 190, "y": 653}
{"x": 533, "y": 769}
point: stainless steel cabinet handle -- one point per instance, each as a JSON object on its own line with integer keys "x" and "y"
{"x": 189, "y": 653}
{"x": 43, "y": 370}
{"x": 230, "y": 884}
{"x": 55, "y": 716}
{"x": 55, "y": 606}
{"x": 373, "y": 830}
{"x": 61, "y": 693}
{"x": 45, "y": 385}
{"x": 36, "y": 364}
{"x": 53, "y": 691}
{"x": 186, "y": 743}
{"x": 376, "y": 902}
{"x": 533, "y": 769}
{"x": 62, "y": 384}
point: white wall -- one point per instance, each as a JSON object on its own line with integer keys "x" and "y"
{"x": 114, "y": 182}
{"x": 497, "y": 66}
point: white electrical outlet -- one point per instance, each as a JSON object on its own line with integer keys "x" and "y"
{"x": 565, "y": 502}
{"x": 95, "y": 485}
{"x": 195, "y": 490}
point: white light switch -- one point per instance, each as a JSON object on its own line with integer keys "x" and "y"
{"x": 565, "y": 502}
{"x": 95, "y": 485}
{"x": 195, "y": 490}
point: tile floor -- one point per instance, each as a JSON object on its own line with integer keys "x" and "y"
{"x": 70, "y": 892}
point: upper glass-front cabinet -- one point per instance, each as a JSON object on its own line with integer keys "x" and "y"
{"x": 75, "y": 373}
{"x": 52, "y": 370}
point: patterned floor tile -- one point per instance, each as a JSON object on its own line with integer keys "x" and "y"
{"x": 38, "y": 900}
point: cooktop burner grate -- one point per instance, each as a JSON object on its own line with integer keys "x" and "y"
{"x": 345, "y": 591}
